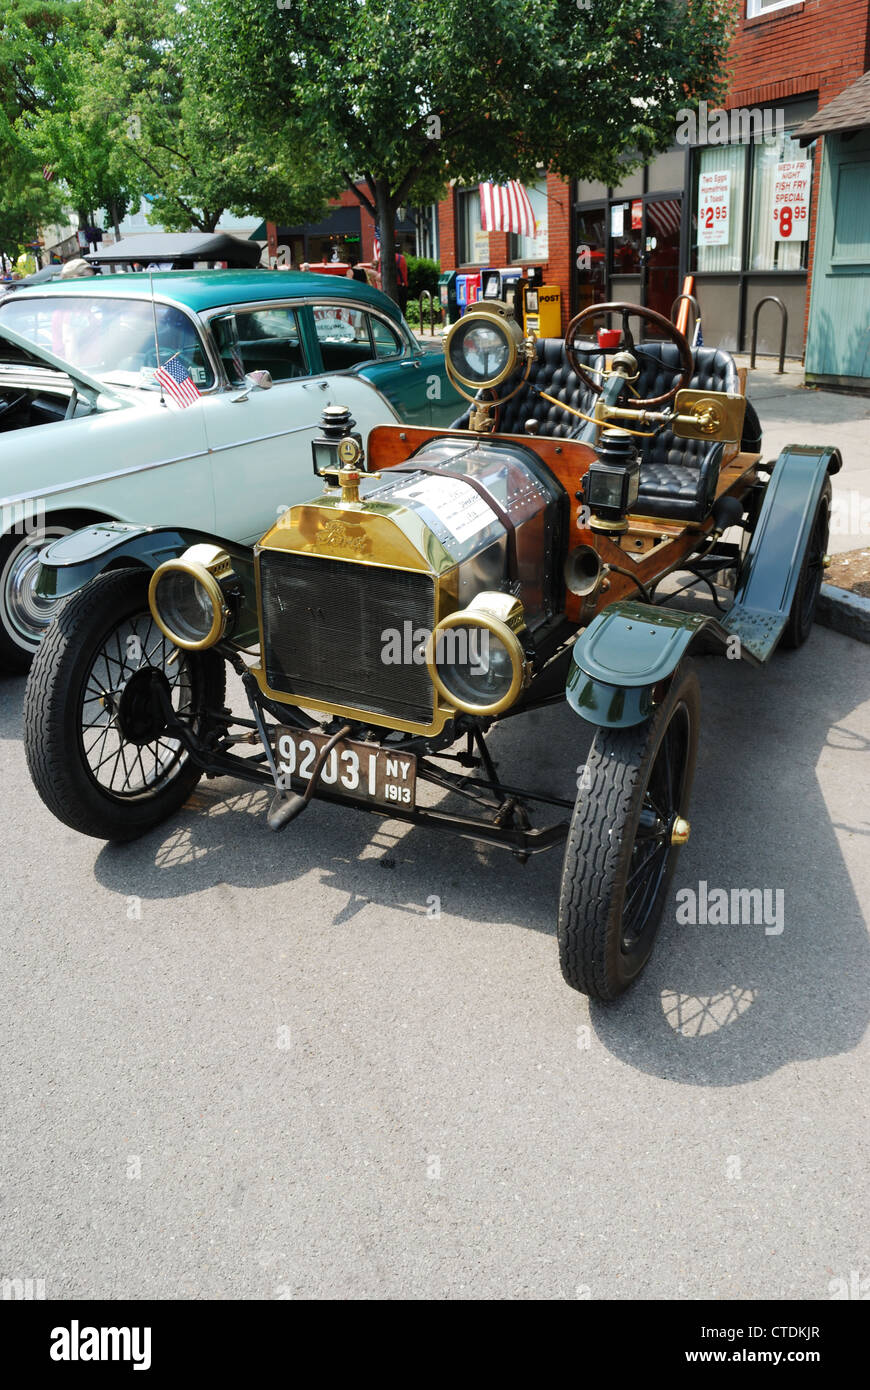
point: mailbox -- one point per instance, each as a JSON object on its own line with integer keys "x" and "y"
{"x": 543, "y": 310}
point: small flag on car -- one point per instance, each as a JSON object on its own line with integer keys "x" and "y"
{"x": 177, "y": 381}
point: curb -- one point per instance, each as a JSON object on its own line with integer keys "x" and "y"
{"x": 845, "y": 612}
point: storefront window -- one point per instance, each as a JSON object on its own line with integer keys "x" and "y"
{"x": 473, "y": 240}
{"x": 781, "y": 190}
{"x": 533, "y": 248}
{"x": 626, "y": 224}
{"x": 717, "y": 221}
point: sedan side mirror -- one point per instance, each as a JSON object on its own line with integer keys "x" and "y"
{"x": 262, "y": 380}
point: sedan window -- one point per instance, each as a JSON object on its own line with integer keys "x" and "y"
{"x": 343, "y": 334}
{"x": 387, "y": 340}
{"x": 111, "y": 338}
{"x": 269, "y": 341}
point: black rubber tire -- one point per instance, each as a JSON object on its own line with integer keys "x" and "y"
{"x": 52, "y": 713}
{"x": 802, "y": 613}
{"x": 16, "y": 654}
{"x": 601, "y": 840}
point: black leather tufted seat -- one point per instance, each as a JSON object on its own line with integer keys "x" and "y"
{"x": 549, "y": 372}
{"x": 678, "y": 476}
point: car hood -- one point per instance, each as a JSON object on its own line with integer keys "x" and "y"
{"x": 29, "y": 354}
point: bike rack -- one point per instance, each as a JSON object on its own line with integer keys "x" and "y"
{"x": 771, "y": 299}
{"x": 695, "y": 306}
{"x": 427, "y": 294}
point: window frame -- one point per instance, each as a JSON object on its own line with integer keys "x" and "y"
{"x": 463, "y": 251}
{"x": 755, "y": 9}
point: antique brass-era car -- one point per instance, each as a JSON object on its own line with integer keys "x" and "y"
{"x": 450, "y": 580}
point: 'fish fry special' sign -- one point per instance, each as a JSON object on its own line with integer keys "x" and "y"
{"x": 714, "y": 198}
{"x": 791, "y": 201}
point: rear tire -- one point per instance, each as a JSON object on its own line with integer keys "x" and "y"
{"x": 96, "y": 750}
{"x": 803, "y": 609}
{"x": 619, "y": 857}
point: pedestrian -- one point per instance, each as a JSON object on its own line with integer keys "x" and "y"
{"x": 402, "y": 280}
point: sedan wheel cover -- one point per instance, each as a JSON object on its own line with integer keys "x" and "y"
{"x": 24, "y": 611}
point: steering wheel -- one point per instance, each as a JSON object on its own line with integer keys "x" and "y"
{"x": 594, "y": 311}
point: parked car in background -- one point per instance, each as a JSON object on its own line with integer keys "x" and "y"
{"x": 263, "y": 354}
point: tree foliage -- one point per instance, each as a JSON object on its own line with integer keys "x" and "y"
{"x": 407, "y": 95}
{"x": 27, "y": 199}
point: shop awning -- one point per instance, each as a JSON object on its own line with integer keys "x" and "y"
{"x": 848, "y": 111}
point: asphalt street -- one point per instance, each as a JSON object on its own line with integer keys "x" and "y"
{"x": 341, "y": 1062}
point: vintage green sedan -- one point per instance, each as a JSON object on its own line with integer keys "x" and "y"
{"x": 259, "y": 355}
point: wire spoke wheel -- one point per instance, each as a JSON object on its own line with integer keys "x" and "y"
{"x": 123, "y": 736}
{"x": 627, "y": 829}
{"x": 98, "y": 744}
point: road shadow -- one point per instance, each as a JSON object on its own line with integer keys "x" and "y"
{"x": 717, "y": 1005}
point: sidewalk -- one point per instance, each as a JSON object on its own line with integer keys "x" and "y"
{"x": 792, "y": 413}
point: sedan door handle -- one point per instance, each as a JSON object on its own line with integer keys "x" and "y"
{"x": 410, "y": 362}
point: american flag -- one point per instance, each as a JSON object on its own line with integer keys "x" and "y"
{"x": 506, "y": 208}
{"x": 176, "y": 379}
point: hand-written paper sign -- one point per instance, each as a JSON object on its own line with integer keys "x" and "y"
{"x": 714, "y": 201}
{"x": 790, "y": 220}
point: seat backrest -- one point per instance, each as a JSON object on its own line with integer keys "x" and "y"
{"x": 549, "y": 372}
{"x": 659, "y": 366}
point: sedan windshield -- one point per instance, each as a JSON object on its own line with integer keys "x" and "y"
{"x": 111, "y": 338}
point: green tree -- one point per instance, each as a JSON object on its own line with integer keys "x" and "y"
{"x": 140, "y": 82}
{"x": 406, "y": 95}
{"x": 27, "y": 199}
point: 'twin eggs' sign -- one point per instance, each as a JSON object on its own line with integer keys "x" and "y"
{"x": 714, "y": 198}
{"x": 790, "y": 219}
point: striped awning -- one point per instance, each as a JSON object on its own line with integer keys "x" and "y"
{"x": 664, "y": 216}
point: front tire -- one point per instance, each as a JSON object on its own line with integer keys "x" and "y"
{"x": 96, "y": 745}
{"x": 621, "y": 852}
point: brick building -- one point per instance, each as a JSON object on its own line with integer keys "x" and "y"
{"x": 636, "y": 242}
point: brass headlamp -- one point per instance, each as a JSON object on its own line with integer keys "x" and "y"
{"x": 189, "y": 597}
{"x": 482, "y": 350}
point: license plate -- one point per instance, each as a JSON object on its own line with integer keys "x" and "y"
{"x": 358, "y": 770}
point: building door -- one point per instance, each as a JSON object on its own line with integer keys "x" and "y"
{"x": 838, "y": 336}
{"x": 590, "y": 257}
{"x": 661, "y": 255}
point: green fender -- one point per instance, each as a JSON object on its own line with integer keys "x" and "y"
{"x": 625, "y": 652}
{"x": 768, "y": 579}
{"x": 71, "y": 562}
{"x": 630, "y": 648}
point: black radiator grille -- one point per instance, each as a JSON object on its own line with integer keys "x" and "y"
{"x": 324, "y": 626}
